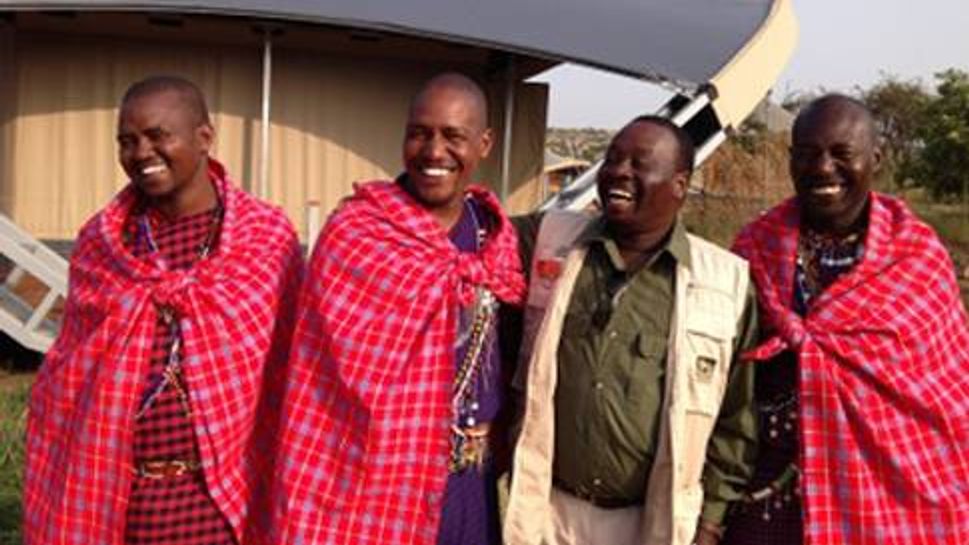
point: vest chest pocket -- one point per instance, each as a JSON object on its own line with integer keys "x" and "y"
{"x": 710, "y": 328}
{"x": 644, "y": 383}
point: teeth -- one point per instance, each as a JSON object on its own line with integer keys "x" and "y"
{"x": 153, "y": 169}
{"x": 436, "y": 171}
{"x": 826, "y": 190}
{"x": 619, "y": 194}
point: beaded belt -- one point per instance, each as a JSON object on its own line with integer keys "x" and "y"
{"x": 166, "y": 469}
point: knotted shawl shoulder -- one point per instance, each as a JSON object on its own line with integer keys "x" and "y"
{"x": 233, "y": 309}
{"x": 367, "y": 411}
{"x": 883, "y": 356}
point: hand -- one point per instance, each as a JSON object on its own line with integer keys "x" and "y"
{"x": 706, "y": 536}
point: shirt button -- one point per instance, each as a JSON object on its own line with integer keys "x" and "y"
{"x": 599, "y": 385}
{"x": 613, "y": 334}
{"x": 597, "y": 482}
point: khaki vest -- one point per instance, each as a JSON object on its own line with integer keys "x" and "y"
{"x": 709, "y": 300}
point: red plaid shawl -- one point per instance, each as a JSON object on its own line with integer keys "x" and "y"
{"x": 366, "y": 418}
{"x": 233, "y": 308}
{"x": 884, "y": 381}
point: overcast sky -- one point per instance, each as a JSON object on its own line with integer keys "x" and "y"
{"x": 842, "y": 44}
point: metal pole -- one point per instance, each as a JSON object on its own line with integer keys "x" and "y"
{"x": 509, "y": 121}
{"x": 267, "y": 78}
{"x": 312, "y": 224}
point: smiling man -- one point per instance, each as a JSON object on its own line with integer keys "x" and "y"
{"x": 182, "y": 294}
{"x": 864, "y": 391}
{"x": 638, "y": 425}
{"x": 396, "y": 375}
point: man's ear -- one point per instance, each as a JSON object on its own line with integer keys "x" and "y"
{"x": 487, "y": 141}
{"x": 876, "y": 159}
{"x": 205, "y": 133}
{"x": 681, "y": 184}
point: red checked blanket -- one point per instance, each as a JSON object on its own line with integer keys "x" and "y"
{"x": 367, "y": 415}
{"x": 884, "y": 381}
{"x": 233, "y": 308}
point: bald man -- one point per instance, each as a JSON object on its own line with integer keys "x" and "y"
{"x": 863, "y": 390}
{"x": 387, "y": 428}
{"x": 181, "y": 296}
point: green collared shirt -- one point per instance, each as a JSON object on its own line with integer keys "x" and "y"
{"x": 612, "y": 368}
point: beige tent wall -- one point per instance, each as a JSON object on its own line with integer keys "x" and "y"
{"x": 64, "y": 163}
{"x": 8, "y": 108}
{"x": 336, "y": 118}
{"x": 528, "y": 145}
{"x": 335, "y": 121}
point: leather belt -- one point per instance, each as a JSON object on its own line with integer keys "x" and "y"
{"x": 166, "y": 469}
{"x": 598, "y": 501}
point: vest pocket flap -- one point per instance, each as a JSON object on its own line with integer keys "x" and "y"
{"x": 717, "y": 327}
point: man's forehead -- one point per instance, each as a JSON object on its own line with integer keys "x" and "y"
{"x": 644, "y": 138}
{"x": 448, "y": 98}
{"x": 842, "y": 119}
{"x": 164, "y": 104}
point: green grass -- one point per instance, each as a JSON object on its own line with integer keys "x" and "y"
{"x": 13, "y": 403}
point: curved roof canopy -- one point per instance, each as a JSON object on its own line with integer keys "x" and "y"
{"x": 683, "y": 43}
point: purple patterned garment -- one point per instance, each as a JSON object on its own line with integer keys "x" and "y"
{"x": 469, "y": 515}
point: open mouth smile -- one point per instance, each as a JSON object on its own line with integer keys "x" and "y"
{"x": 436, "y": 172}
{"x": 152, "y": 169}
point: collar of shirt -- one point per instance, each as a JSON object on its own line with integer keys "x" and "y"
{"x": 676, "y": 244}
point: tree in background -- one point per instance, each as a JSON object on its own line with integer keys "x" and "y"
{"x": 587, "y": 144}
{"x": 899, "y": 108}
{"x": 925, "y": 135}
{"x": 943, "y": 160}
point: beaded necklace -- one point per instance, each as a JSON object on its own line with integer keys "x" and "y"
{"x": 171, "y": 374}
{"x": 821, "y": 259}
{"x": 469, "y": 444}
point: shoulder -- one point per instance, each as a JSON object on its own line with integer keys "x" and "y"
{"x": 359, "y": 210}
{"x": 899, "y": 217}
{"x": 910, "y": 236}
{"x": 526, "y": 226}
{"x": 785, "y": 213}
{"x": 564, "y": 225}
{"x": 359, "y": 218}
{"x": 526, "y": 229}
{"x": 91, "y": 227}
{"x": 717, "y": 268}
{"x": 704, "y": 250}
{"x": 262, "y": 213}
{"x": 89, "y": 237}
{"x": 769, "y": 227}
{"x": 258, "y": 226}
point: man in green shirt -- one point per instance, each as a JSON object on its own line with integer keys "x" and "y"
{"x": 630, "y": 363}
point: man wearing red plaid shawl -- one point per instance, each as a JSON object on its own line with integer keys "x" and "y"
{"x": 181, "y": 295}
{"x": 863, "y": 389}
{"x": 385, "y": 433}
